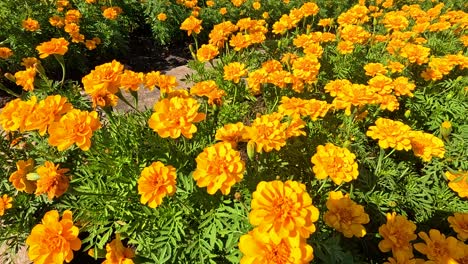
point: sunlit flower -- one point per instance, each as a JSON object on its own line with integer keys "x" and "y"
{"x": 458, "y": 182}
{"x": 117, "y": 253}
{"x": 103, "y": 83}
{"x": 165, "y": 83}
{"x": 31, "y": 24}
{"x": 397, "y": 234}
{"x": 46, "y": 112}
{"x": 209, "y": 89}
{"x": 391, "y": 134}
{"x": 130, "y": 80}
{"x": 237, "y": 3}
{"x": 266, "y": 132}
{"x": 54, "y": 46}
{"x": 309, "y": 9}
{"x": 438, "y": 248}
{"x": 191, "y": 24}
{"x": 207, "y": 52}
{"x": 402, "y": 86}
{"x": 395, "y": 66}
{"x": 52, "y": 180}
{"x": 19, "y": 179}
{"x": 345, "y": 216}
{"x": 53, "y": 241}
{"x": 283, "y": 210}
{"x": 72, "y": 16}
{"x": 5, "y": 203}
{"x": 426, "y": 145}
{"x": 112, "y": 12}
{"x": 372, "y": 69}
{"x": 325, "y": 22}
{"x": 223, "y": 11}
{"x": 312, "y": 108}
{"x": 5, "y": 52}
{"x": 415, "y": 53}
{"x": 26, "y": 78}
{"x": 459, "y": 223}
{"x": 337, "y": 163}
{"x": 15, "y": 113}
{"x": 234, "y": 71}
{"x": 306, "y": 68}
{"x": 156, "y": 182}
{"x": 230, "y": 133}
{"x": 345, "y": 47}
{"x": 219, "y": 167}
{"x": 29, "y": 62}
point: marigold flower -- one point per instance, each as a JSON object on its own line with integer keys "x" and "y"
{"x": 337, "y": 163}
{"x": 31, "y": 24}
{"x": 175, "y": 116}
{"x": 162, "y": 17}
{"x": 117, "y": 253}
{"x": 231, "y": 133}
{"x": 438, "y": 248}
{"x": 426, "y": 145}
{"x": 283, "y": 210}
{"x": 53, "y": 241}
{"x": 345, "y": 216}
{"x": 5, "y": 203}
{"x": 19, "y": 179}
{"x": 165, "y": 83}
{"x": 103, "y": 83}
{"x": 72, "y": 28}
{"x": 207, "y": 52}
{"x": 306, "y": 68}
{"x": 90, "y": 44}
{"x": 309, "y": 9}
{"x": 237, "y": 3}
{"x": 395, "y": 66}
{"x": 29, "y": 62}
{"x": 393, "y": 134}
{"x": 112, "y": 12}
{"x": 256, "y": 5}
{"x": 52, "y": 180}
{"x": 458, "y": 182}
{"x": 26, "y": 78}
{"x": 46, "y": 112}
{"x": 397, "y": 234}
{"x": 459, "y": 223}
{"x": 401, "y": 86}
{"x": 325, "y": 22}
{"x": 56, "y": 21}
{"x": 404, "y": 260}
{"x": 209, "y": 89}
{"x": 5, "y": 52}
{"x": 313, "y": 108}
{"x": 72, "y": 16}
{"x": 130, "y": 80}
{"x": 372, "y": 69}
{"x": 345, "y": 47}
{"x": 15, "y": 113}
{"x": 258, "y": 247}
{"x": 156, "y": 182}
{"x": 234, "y": 71}
{"x": 267, "y": 133}
{"x": 223, "y": 11}
{"x": 395, "y": 20}
{"x": 54, "y": 46}
{"x": 354, "y": 34}
{"x": 191, "y": 24}
{"x": 219, "y": 167}
{"x": 75, "y": 127}
{"x": 415, "y": 53}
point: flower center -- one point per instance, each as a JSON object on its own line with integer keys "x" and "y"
{"x": 278, "y": 254}
{"x": 282, "y": 208}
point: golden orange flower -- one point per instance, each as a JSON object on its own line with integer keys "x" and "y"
{"x": 53, "y": 241}
{"x": 52, "y": 180}
{"x": 56, "y": 21}
{"x": 19, "y": 179}
{"x": 337, "y": 163}
{"x": 191, "y": 24}
{"x": 46, "y": 112}
{"x": 5, "y": 52}
{"x": 267, "y": 133}
{"x": 209, "y": 89}
{"x": 395, "y": 66}
{"x": 165, "y": 83}
{"x": 90, "y": 44}
{"x": 372, "y": 69}
{"x": 29, "y": 62}
{"x": 103, "y": 83}
{"x": 438, "y": 248}
{"x": 391, "y": 134}
{"x": 15, "y": 113}
{"x": 117, "y": 253}
{"x": 312, "y": 108}
{"x": 72, "y": 16}
{"x": 112, "y": 12}
{"x": 223, "y": 11}
{"x": 345, "y": 216}
{"x": 130, "y": 80}
{"x": 458, "y": 182}
{"x": 31, "y": 24}
{"x": 258, "y": 247}
{"x": 306, "y": 68}
{"x": 54, "y": 46}
{"x": 345, "y": 47}
{"x": 5, "y": 203}
{"x": 397, "y": 234}
{"x": 219, "y": 167}
{"x": 75, "y": 127}
{"x": 207, "y": 52}
{"x": 426, "y": 145}
{"x": 175, "y": 116}
{"x": 234, "y": 71}
{"x": 459, "y": 223}
{"x": 156, "y": 182}
{"x": 26, "y": 78}
{"x": 162, "y": 17}
{"x": 230, "y": 133}
{"x": 283, "y": 210}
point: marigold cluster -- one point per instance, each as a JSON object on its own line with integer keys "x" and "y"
{"x": 312, "y": 108}
{"x": 156, "y": 182}
{"x": 165, "y": 83}
{"x": 103, "y": 83}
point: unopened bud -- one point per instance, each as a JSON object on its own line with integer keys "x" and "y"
{"x": 33, "y": 176}
{"x": 251, "y": 150}
{"x": 446, "y": 128}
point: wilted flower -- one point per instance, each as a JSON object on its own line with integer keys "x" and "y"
{"x": 156, "y": 182}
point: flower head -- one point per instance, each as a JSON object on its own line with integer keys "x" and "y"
{"x": 267, "y": 132}
{"x": 46, "y": 112}
{"x": 397, "y": 234}
{"x": 207, "y": 52}
{"x": 162, "y": 17}
{"x": 5, "y": 203}
{"x": 5, "y": 52}
{"x": 312, "y": 108}
{"x": 52, "y": 180}
{"x": 14, "y": 114}
{"x": 209, "y": 89}
{"x": 117, "y": 253}
{"x": 191, "y": 24}
{"x": 458, "y": 182}
{"x": 19, "y": 179}
{"x": 459, "y": 223}
{"x": 103, "y": 83}
{"x": 230, "y": 133}
{"x": 26, "y": 78}
{"x": 156, "y": 182}
{"x": 112, "y": 12}
{"x": 426, "y": 145}
{"x": 336, "y": 162}
{"x": 53, "y": 241}
{"x": 54, "y": 46}
{"x": 234, "y": 71}
{"x": 31, "y": 24}
{"x": 393, "y": 134}
{"x": 438, "y": 248}
{"x": 219, "y": 167}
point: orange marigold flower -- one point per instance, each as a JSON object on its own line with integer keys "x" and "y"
{"x": 19, "y": 179}
{"x": 52, "y": 180}
{"x": 53, "y": 241}
{"x": 325, "y": 22}
{"x": 345, "y": 216}
{"x": 117, "y": 253}
{"x": 5, "y": 52}
{"x": 458, "y": 182}
{"x": 29, "y": 62}
{"x": 103, "y": 83}
{"x": 402, "y": 86}
{"x": 130, "y": 80}
{"x": 306, "y": 68}
{"x": 404, "y": 260}
{"x": 15, "y": 113}
{"x": 5, "y": 203}
{"x": 234, "y": 71}
{"x": 31, "y": 24}
{"x": 237, "y": 3}
{"x": 56, "y": 21}
{"x": 397, "y": 234}
{"x": 112, "y": 12}
{"x": 395, "y": 20}
{"x": 372, "y": 69}
{"x": 415, "y": 53}
{"x": 54, "y": 46}
{"x": 256, "y": 5}
{"x": 26, "y": 78}
{"x": 438, "y": 248}
{"x": 231, "y": 133}
{"x": 426, "y": 145}
{"x": 391, "y": 134}
{"x": 72, "y": 16}
{"x": 395, "y": 66}
{"x": 337, "y": 163}
{"x": 345, "y": 47}
{"x": 313, "y": 108}
{"x": 175, "y": 116}
{"x": 209, "y": 89}
{"x": 283, "y": 210}
{"x": 46, "y": 112}
{"x": 223, "y": 11}
{"x": 76, "y": 126}
{"x": 258, "y": 247}
{"x": 156, "y": 182}
{"x": 355, "y": 34}
{"x": 207, "y": 52}
{"x": 309, "y": 9}
{"x": 165, "y": 83}
{"x": 90, "y": 44}
{"x": 219, "y": 167}
{"x": 162, "y": 17}
{"x": 459, "y": 223}
{"x": 191, "y": 24}
{"x": 266, "y": 132}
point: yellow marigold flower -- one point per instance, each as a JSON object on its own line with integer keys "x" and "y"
{"x": 26, "y": 78}
{"x": 72, "y": 16}
{"x": 90, "y": 44}
{"x": 112, "y": 12}
{"x": 458, "y": 182}
{"x": 283, "y": 24}
{"x": 223, "y": 11}
{"x": 372, "y": 69}
{"x": 175, "y": 116}
{"x": 191, "y": 24}
{"x": 438, "y": 248}
{"x": 72, "y": 28}
{"x": 325, "y": 22}
{"x": 397, "y": 234}
{"x": 52, "y": 180}
{"x": 53, "y": 241}
{"x": 130, "y": 80}
{"x": 306, "y": 68}
{"x": 162, "y": 17}
{"x": 5, "y": 203}
{"x": 404, "y": 260}
{"x": 209, "y": 89}
{"x": 355, "y": 34}
{"x": 19, "y": 179}
{"x": 156, "y": 182}
{"x": 266, "y": 132}
{"x": 313, "y": 108}
{"x": 46, "y": 112}
{"x": 54, "y": 46}
{"x": 395, "y": 66}
{"x": 207, "y": 52}
{"x": 117, "y": 253}
{"x": 415, "y": 53}
{"x": 345, "y": 47}
{"x": 5, "y": 52}
{"x": 350, "y": 94}
{"x": 337, "y": 163}
{"x": 309, "y": 9}
{"x": 283, "y": 210}
{"x": 31, "y": 24}
{"x": 381, "y": 84}
{"x": 258, "y": 247}
{"x": 391, "y": 134}
{"x": 345, "y": 216}
{"x": 256, "y": 79}
{"x": 237, "y": 3}
{"x": 103, "y": 83}
{"x": 426, "y": 145}
{"x": 234, "y": 71}
{"x": 56, "y": 21}
{"x": 459, "y": 223}
{"x": 76, "y": 126}
{"x": 395, "y": 20}
{"x": 29, "y": 62}
{"x": 210, "y": 3}
{"x": 240, "y": 41}
{"x": 165, "y": 83}
{"x": 219, "y": 167}
{"x": 294, "y": 125}
{"x": 231, "y": 133}
{"x": 256, "y": 5}
{"x": 15, "y": 112}
{"x": 402, "y": 86}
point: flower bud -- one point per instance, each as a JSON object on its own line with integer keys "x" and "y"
{"x": 446, "y": 128}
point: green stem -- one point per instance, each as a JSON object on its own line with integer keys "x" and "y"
{"x": 60, "y": 60}
{"x": 7, "y": 90}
